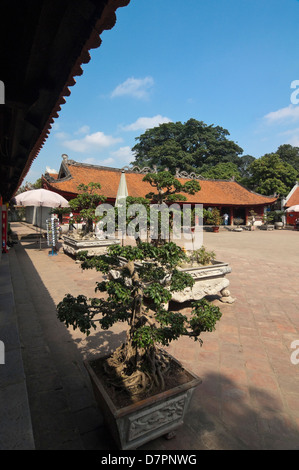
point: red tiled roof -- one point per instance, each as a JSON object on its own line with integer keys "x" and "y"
{"x": 213, "y": 192}
{"x": 294, "y": 199}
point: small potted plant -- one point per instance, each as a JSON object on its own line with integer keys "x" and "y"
{"x": 201, "y": 257}
{"x": 278, "y": 219}
{"x": 251, "y": 219}
{"x": 142, "y": 391}
{"x": 267, "y": 219}
{"x": 238, "y": 221}
{"x": 213, "y": 217}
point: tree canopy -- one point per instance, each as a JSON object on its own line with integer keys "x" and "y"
{"x": 223, "y": 171}
{"x": 187, "y": 146}
{"x": 289, "y": 154}
{"x": 270, "y": 175}
{"x": 204, "y": 149}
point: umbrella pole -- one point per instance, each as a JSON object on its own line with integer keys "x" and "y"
{"x": 40, "y": 229}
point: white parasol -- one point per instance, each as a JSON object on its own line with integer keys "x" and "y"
{"x": 40, "y": 198}
{"x": 293, "y": 208}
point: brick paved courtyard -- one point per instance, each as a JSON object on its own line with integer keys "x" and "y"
{"x": 249, "y": 398}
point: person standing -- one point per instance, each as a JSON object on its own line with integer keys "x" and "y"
{"x": 225, "y": 218}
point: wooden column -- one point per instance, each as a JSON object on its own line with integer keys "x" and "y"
{"x": 231, "y": 214}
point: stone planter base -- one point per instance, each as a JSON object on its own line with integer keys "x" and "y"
{"x": 209, "y": 280}
{"x": 148, "y": 419}
{"x": 73, "y": 246}
{"x": 266, "y": 227}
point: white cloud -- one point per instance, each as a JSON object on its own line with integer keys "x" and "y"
{"x": 92, "y": 142}
{"x": 124, "y": 154}
{"x": 144, "y": 123}
{"x": 61, "y": 135}
{"x": 292, "y": 137}
{"x": 136, "y": 87}
{"x": 92, "y": 161}
{"x": 289, "y": 113}
{"x": 83, "y": 130}
{"x": 51, "y": 170}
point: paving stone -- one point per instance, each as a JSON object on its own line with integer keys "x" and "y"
{"x": 249, "y": 395}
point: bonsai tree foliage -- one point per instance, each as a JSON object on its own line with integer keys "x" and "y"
{"x": 213, "y": 216}
{"x": 252, "y": 217}
{"x": 268, "y": 217}
{"x": 168, "y": 187}
{"x": 86, "y": 203}
{"x": 60, "y": 212}
{"x": 136, "y": 291}
{"x": 202, "y": 256}
{"x": 168, "y": 190}
{"x": 144, "y": 218}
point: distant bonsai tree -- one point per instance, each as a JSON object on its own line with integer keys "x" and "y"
{"x": 213, "y": 216}
{"x": 168, "y": 190}
{"x": 86, "y": 203}
{"x": 60, "y": 212}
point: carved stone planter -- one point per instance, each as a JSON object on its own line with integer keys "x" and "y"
{"x": 94, "y": 247}
{"x": 148, "y": 419}
{"x": 209, "y": 280}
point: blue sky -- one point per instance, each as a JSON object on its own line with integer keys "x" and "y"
{"x": 225, "y": 62}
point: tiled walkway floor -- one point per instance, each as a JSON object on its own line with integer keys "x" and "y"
{"x": 249, "y": 398}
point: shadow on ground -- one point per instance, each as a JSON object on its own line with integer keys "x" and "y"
{"x": 63, "y": 411}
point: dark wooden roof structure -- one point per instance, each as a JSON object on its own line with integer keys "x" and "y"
{"x": 43, "y": 45}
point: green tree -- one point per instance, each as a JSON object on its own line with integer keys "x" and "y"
{"x": 29, "y": 186}
{"x": 244, "y": 163}
{"x": 289, "y": 154}
{"x": 136, "y": 293}
{"x": 186, "y": 146}
{"x": 270, "y": 175}
{"x": 221, "y": 171}
{"x": 86, "y": 203}
{"x": 168, "y": 189}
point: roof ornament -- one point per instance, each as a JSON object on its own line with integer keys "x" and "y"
{"x": 144, "y": 170}
{"x": 186, "y": 175}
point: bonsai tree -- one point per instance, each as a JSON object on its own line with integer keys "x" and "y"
{"x": 268, "y": 218}
{"x": 213, "y": 217}
{"x": 136, "y": 291}
{"x": 252, "y": 217}
{"x": 277, "y": 215}
{"x": 202, "y": 256}
{"x": 60, "y": 212}
{"x": 86, "y": 203}
{"x": 144, "y": 219}
{"x": 238, "y": 221}
{"x": 168, "y": 190}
